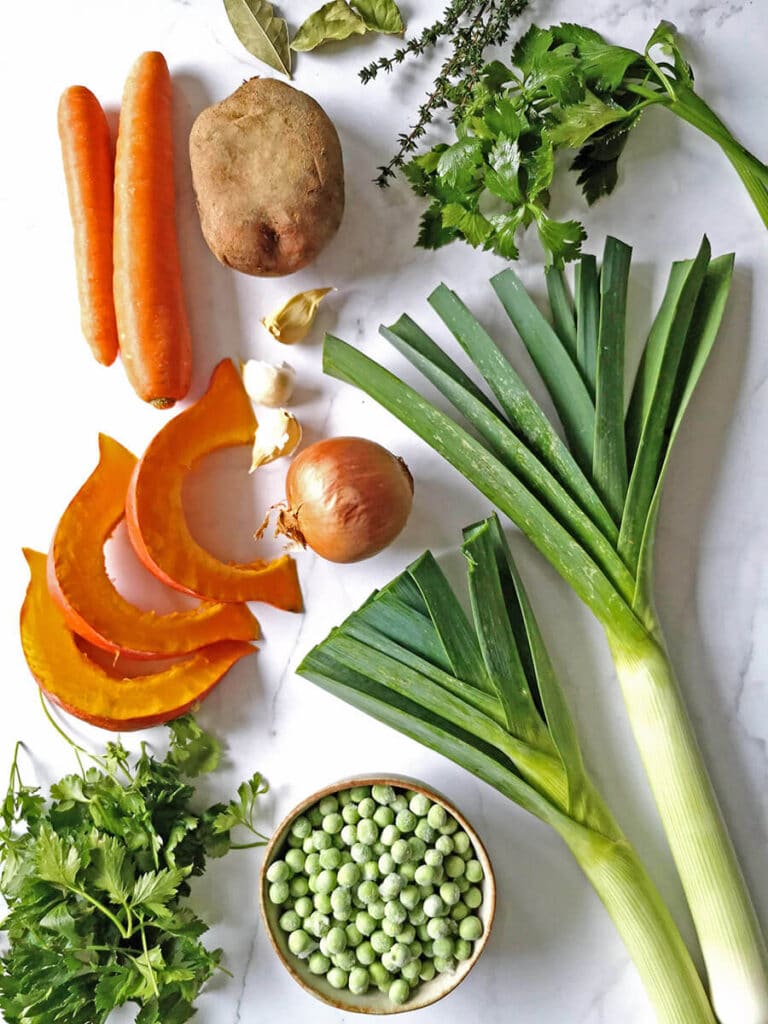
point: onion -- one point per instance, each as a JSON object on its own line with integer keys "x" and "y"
{"x": 347, "y": 498}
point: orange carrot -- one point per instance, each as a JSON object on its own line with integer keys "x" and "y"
{"x": 155, "y": 343}
{"x": 86, "y": 149}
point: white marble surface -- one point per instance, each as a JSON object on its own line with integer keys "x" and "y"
{"x": 554, "y": 957}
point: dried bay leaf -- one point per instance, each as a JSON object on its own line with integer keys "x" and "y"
{"x": 261, "y": 32}
{"x": 333, "y": 21}
{"x": 380, "y": 16}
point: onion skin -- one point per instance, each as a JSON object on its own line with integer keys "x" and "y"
{"x": 348, "y": 498}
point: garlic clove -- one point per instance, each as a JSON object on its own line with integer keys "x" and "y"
{"x": 291, "y": 323}
{"x": 278, "y": 434}
{"x": 268, "y": 384}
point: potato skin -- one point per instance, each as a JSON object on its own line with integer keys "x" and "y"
{"x": 268, "y": 177}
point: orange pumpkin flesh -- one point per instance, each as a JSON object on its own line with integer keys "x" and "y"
{"x": 157, "y": 526}
{"x": 93, "y": 608}
{"x": 73, "y": 681}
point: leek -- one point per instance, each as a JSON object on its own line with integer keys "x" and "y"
{"x": 592, "y": 512}
{"x": 484, "y": 693}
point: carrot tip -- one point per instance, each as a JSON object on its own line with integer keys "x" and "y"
{"x": 163, "y": 403}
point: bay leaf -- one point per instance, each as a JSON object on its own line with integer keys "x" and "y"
{"x": 380, "y": 16}
{"x": 334, "y": 21}
{"x": 261, "y": 32}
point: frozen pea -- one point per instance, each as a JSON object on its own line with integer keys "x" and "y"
{"x": 279, "y": 893}
{"x": 333, "y": 823}
{"x": 326, "y": 881}
{"x": 380, "y": 976}
{"x": 341, "y": 902}
{"x": 408, "y": 870}
{"x": 444, "y": 844}
{"x": 358, "y": 981}
{"x": 463, "y": 884}
{"x": 400, "y": 954}
{"x": 437, "y": 816}
{"x": 411, "y": 971}
{"x": 337, "y": 978}
{"x": 388, "y": 963}
{"x": 290, "y": 921}
{"x": 401, "y": 851}
{"x": 324, "y": 946}
{"x": 293, "y": 841}
{"x": 367, "y": 807}
{"x": 367, "y": 831}
{"x": 471, "y": 928}
{"x": 461, "y": 842}
{"x": 365, "y": 924}
{"x": 336, "y": 940}
{"x": 390, "y": 928}
{"x": 407, "y": 933}
{"x": 433, "y": 857}
{"x": 442, "y": 948}
{"x": 419, "y": 804}
{"x": 347, "y": 960}
{"x": 368, "y": 892}
{"x": 454, "y": 866}
{"x": 399, "y": 991}
{"x": 444, "y": 966}
{"x": 303, "y": 906}
{"x": 428, "y": 949}
{"x": 395, "y": 911}
{"x": 371, "y": 871}
{"x": 300, "y": 944}
{"x": 462, "y": 949}
{"x": 318, "y": 924}
{"x": 425, "y": 875}
{"x": 409, "y": 897}
{"x": 365, "y": 953}
{"x": 386, "y": 864}
{"x": 418, "y": 848}
{"x": 328, "y": 805}
{"x": 390, "y": 834}
{"x": 450, "y": 826}
{"x": 427, "y": 972}
{"x": 350, "y": 814}
{"x": 421, "y": 932}
{"x": 321, "y": 841}
{"x": 426, "y": 890}
{"x": 301, "y": 828}
{"x": 330, "y": 859}
{"x": 406, "y": 820}
{"x": 474, "y": 870}
{"x": 391, "y": 887}
{"x": 473, "y": 897}
{"x": 425, "y": 831}
{"x": 379, "y": 848}
{"x": 314, "y": 816}
{"x": 322, "y": 902}
{"x": 358, "y": 793}
{"x": 383, "y": 794}
{"x": 381, "y": 942}
{"x": 439, "y": 928}
{"x": 298, "y": 886}
{"x": 434, "y": 906}
{"x": 384, "y": 816}
{"x": 418, "y": 916}
{"x": 400, "y": 803}
{"x": 278, "y": 871}
{"x": 377, "y": 909}
{"x": 449, "y": 893}
{"x": 312, "y": 865}
{"x": 349, "y": 835}
{"x": 318, "y": 963}
{"x": 348, "y": 875}
{"x": 296, "y": 860}
{"x": 344, "y": 797}
{"x": 354, "y": 935}
{"x": 308, "y": 845}
{"x": 360, "y": 853}
{"x": 416, "y": 949}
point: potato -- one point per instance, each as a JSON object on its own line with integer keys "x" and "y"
{"x": 268, "y": 177}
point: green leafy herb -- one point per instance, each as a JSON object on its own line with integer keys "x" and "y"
{"x": 568, "y": 89}
{"x": 261, "y": 32}
{"x": 96, "y": 880}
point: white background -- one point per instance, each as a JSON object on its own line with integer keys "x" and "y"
{"x": 554, "y": 956}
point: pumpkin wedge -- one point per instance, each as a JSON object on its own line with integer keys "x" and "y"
{"x": 157, "y": 526}
{"x": 72, "y": 680}
{"x": 91, "y": 605}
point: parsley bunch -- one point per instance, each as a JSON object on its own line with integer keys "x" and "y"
{"x": 568, "y": 89}
{"x": 96, "y": 880}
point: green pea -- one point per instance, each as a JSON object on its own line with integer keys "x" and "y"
{"x": 418, "y": 917}
{"x": 279, "y": 893}
{"x": 437, "y": 816}
{"x": 354, "y": 935}
{"x": 348, "y": 875}
{"x": 380, "y": 976}
{"x": 390, "y": 928}
{"x": 377, "y": 909}
{"x": 399, "y": 991}
{"x": 424, "y": 875}
{"x": 360, "y": 853}
{"x": 416, "y": 949}
{"x": 379, "y": 848}
{"x": 462, "y": 843}
{"x": 454, "y": 866}
{"x": 318, "y": 924}
{"x": 322, "y": 902}
{"x": 418, "y": 848}
{"x": 350, "y": 814}
{"x": 321, "y": 841}
{"x": 347, "y": 960}
{"x": 473, "y": 898}
{"x": 328, "y": 805}
{"x": 341, "y": 903}
{"x": 427, "y": 972}
{"x": 317, "y": 963}
{"x": 367, "y": 831}
{"x": 365, "y": 953}
{"x": 408, "y": 870}
{"x": 301, "y": 827}
{"x": 386, "y": 864}
{"x": 298, "y": 886}
{"x": 425, "y": 831}
{"x": 409, "y": 897}
{"x": 299, "y": 943}
{"x": 471, "y": 928}
{"x": 400, "y": 803}
{"x": 290, "y": 921}
{"x": 433, "y": 857}
{"x": 349, "y": 834}
{"x": 383, "y": 794}
{"x": 422, "y": 934}
{"x": 278, "y": 871}
{"x": 330, "y": 859}
{"x": 312, "y": 865}
{"x": 384, "y": 816}
{"x": 462, "y": 949}
{"x": 442, "y": 948}
{"x": 371, "y": 871}
{"x": 463, "y": 883}
{"x": 395, "y": 911}
{"x": 296, "y": 861}
{"x": 333, "y": 823}
{"x": 391, "y": 887}
{"x": 367, "y": 807}
{"x": 390, "y": 834}
{"x": 401, "y": 851}
{"x": 406, "y": 820}
{"x": 336, "y": 940}
{"x": 368, "y": 892}
{"x": 449, "y": 893}
{"x": 307, "y": 845}
{"x": 439, "y": 928}
{"x": 314, "y": 816}
{"x": 344, "y": 797}
{"x": 419, "y": 804}
{"x": 473, "y": 870}
{"x": 326, "y": 881}
{"x": 365, "y": 923}
{"x": 444, "y": 966}
{"x": 381, "y": 942}
{"x": 358, "y": 793}
{"x": 400, "y": 954}
{"x": 444, "y": 844}
{"x": 407, "y": 933}
{"x": 337, "y": 978}
{"x": 293, "y": 841}
{"x": 450, "y": 826}
{"x": 304, "y": 906}
{"x": 359, "y": 981}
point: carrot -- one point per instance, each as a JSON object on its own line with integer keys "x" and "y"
{"x": 86, "y": 150}
{"x": 155, "y": 343}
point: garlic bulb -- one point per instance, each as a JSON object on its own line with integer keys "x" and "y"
{"x": 268, "y": 384}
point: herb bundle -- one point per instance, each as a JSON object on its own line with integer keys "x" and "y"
{"x": 568, "y": 89}
{"x": 96, "y": 880}
{"x": 591, "y": 509}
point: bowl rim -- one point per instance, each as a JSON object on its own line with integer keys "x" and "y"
{"x": 401, "y": 782}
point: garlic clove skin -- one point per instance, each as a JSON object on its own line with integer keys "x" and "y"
{"x": 268, "y": 384}
{"x": 278, "y": 434}
{"x": 292, "y": 322}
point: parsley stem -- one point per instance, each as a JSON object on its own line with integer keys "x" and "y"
{"x": 124, "y": 932}
{"x": 248, "y": 846}
{"x": 150, "y": 968}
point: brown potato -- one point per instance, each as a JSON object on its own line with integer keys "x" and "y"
{"x": 268, "y": 177}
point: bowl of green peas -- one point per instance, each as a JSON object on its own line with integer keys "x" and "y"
{"x": 377, "y": 894}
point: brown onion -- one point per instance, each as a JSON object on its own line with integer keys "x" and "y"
{"x": 347, "y": 498}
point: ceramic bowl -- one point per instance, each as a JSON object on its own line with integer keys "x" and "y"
{"x": 374, "y": 1002}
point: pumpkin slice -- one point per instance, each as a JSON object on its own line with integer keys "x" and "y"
{"x": 93, "y": 608}
{"x": 157, "y": 526}
{"x": 72, "y": 680}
